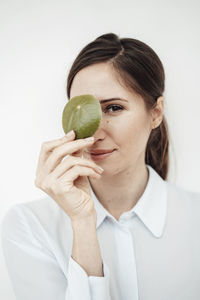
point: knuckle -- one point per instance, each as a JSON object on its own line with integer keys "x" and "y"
{"x": 42, "y": 184}
{"x": 43, "y": 188}
{"x": 45, "y": 184}
{"x": 48, "y": 183}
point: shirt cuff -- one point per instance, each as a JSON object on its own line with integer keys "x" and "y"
{"x": 78, "y": 286}
{"x": 82, "y": 286}
{"x": 99, "y": 286}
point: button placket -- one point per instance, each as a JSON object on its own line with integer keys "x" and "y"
{"x": 126, "y": 259}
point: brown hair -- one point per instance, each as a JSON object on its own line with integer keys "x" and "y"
{"x": 141, "y": 70}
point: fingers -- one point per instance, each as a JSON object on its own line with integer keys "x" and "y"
{"x": 76, "y": 171}
{"x": 49, "y": 146}
{"x": 70, "y": 163}
{"x": 62, "y": 150}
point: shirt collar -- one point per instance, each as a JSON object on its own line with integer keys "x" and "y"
{"x": 151, "y": 208}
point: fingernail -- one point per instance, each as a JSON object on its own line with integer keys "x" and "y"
{"x": 69, "y": 134}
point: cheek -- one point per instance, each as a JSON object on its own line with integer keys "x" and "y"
{"x": 129, "y": 130}
{"x": 141, "y": 134}
{"x": 133, "y": 134}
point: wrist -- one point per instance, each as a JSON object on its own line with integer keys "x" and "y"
{"x": 80, "y": 221}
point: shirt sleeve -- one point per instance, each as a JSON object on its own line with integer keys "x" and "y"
{"x": 95, "y": 287}
{"x": 34, "y": 271}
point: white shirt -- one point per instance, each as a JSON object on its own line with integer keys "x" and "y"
{"x": 37, "y": 241}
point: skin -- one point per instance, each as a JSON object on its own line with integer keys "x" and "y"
{"x": 125, "y": 174}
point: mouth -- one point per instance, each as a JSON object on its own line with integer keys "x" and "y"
{"x": 100, "y": 151}
{"x": 101, "y": 156}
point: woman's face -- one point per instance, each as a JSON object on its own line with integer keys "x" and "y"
{"x": 125, "y": 125}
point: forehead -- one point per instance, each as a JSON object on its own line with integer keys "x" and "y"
{"x": 99, "y": 80}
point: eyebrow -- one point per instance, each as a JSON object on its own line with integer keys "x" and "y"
{"x": 112, "y": 99}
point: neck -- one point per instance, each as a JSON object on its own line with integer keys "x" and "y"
{"x": 120, "y": 192}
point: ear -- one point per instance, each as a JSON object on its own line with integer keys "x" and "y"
{"x": 157, "y": 112}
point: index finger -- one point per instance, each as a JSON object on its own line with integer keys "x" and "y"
{"x": 49, "y": 146}
{"x": 73, "y": 147}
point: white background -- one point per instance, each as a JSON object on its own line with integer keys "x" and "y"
{"x": 39, "y": 41}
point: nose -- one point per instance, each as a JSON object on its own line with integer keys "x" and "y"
{"x": 101, "y": 131}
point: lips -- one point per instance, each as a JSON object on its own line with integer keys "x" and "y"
{"x": 101, "y": 151}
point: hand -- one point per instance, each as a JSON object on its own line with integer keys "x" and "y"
{"x": 66, "y": 180}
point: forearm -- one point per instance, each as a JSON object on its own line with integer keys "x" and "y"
{"x": 86, "y": 249}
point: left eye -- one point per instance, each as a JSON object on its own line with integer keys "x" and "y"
{"x": 116, "y": 106}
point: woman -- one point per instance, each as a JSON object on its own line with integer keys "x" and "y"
{"x": 121, "y": 233}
